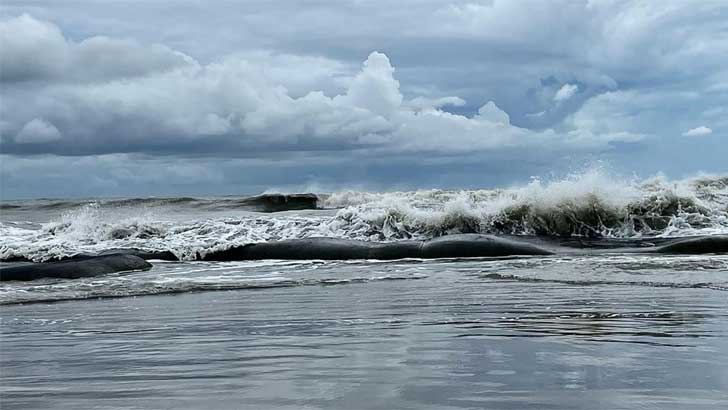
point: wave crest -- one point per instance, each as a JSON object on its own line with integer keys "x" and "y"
{"x": 588, "y": 205}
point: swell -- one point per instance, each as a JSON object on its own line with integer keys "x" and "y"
{"x": 261, "y": 203}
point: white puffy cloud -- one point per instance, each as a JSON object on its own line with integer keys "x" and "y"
{"x": 698, "y": 131}
{"x": 518, "y": 44}
{"x": 491, "y": 113}
{"x": 425, "y": 103}
{"x": 237, "y": 106}
{"x": 374, "y": 88}
{"x": 565, "y": 92}
{"x": 37, "y": 50}
{"x": 37, "y": 131}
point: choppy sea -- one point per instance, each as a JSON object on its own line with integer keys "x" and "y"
{"x": 608, "y": 331}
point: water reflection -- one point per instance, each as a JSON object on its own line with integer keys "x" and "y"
{"x": 453, "y": 339}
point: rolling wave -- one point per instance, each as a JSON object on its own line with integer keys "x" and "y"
{"x": 588, "y": 205}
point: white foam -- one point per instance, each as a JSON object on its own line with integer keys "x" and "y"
{"x": 586, "y": 203}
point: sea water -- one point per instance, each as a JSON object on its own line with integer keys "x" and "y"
{"x": 611, "y": 331}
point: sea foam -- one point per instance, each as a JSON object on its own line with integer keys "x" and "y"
{"x": 589, "y": 204}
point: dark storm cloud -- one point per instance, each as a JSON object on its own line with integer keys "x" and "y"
{"x": 264, "y": 80}
{"x": 239, "y": 106}
{"x": 497, "y": 49}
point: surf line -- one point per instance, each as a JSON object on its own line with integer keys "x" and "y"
{"x": 451, "y": 246}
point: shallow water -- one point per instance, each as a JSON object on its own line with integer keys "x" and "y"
{"x": 611, "y": 332}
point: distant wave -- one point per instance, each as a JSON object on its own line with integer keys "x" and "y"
{"x": 263, "y": 203}
{"x": 589, "y": 205}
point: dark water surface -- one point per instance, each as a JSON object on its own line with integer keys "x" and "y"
{"x": 608, "y": 332}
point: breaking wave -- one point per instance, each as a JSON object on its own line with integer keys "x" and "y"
{"x": 589, "y": 204}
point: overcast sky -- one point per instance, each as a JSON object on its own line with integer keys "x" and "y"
{"x": 179, "y": 97}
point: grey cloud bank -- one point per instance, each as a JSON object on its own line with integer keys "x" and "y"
{"x": 237, "y": 104}
{"x": 336, "y": 91}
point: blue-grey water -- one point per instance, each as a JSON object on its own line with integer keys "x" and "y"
{"x": 609, "y": 331}
{"x": 616, "y": 332}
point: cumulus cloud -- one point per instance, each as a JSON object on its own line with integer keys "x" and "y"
{"x": 37, "y": 131}
{"x": 37, "y": 50}
{"x": 556, "y": 79}
{"x": 31, "y": 49}
{"x": 519, "y": 43}
{"x": 425, "y": 103}
{"x": 374, "y": 88}
{"x": 491, "y": 113}
{"x": 566, "y": 92}
{"x": 698, "y": 131}
{"x": 240, "y": 106}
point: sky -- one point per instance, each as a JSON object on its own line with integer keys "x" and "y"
{"x": 165, "y": 98}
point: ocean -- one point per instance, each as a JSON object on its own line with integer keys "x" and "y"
{"x": 598, "y": 330}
